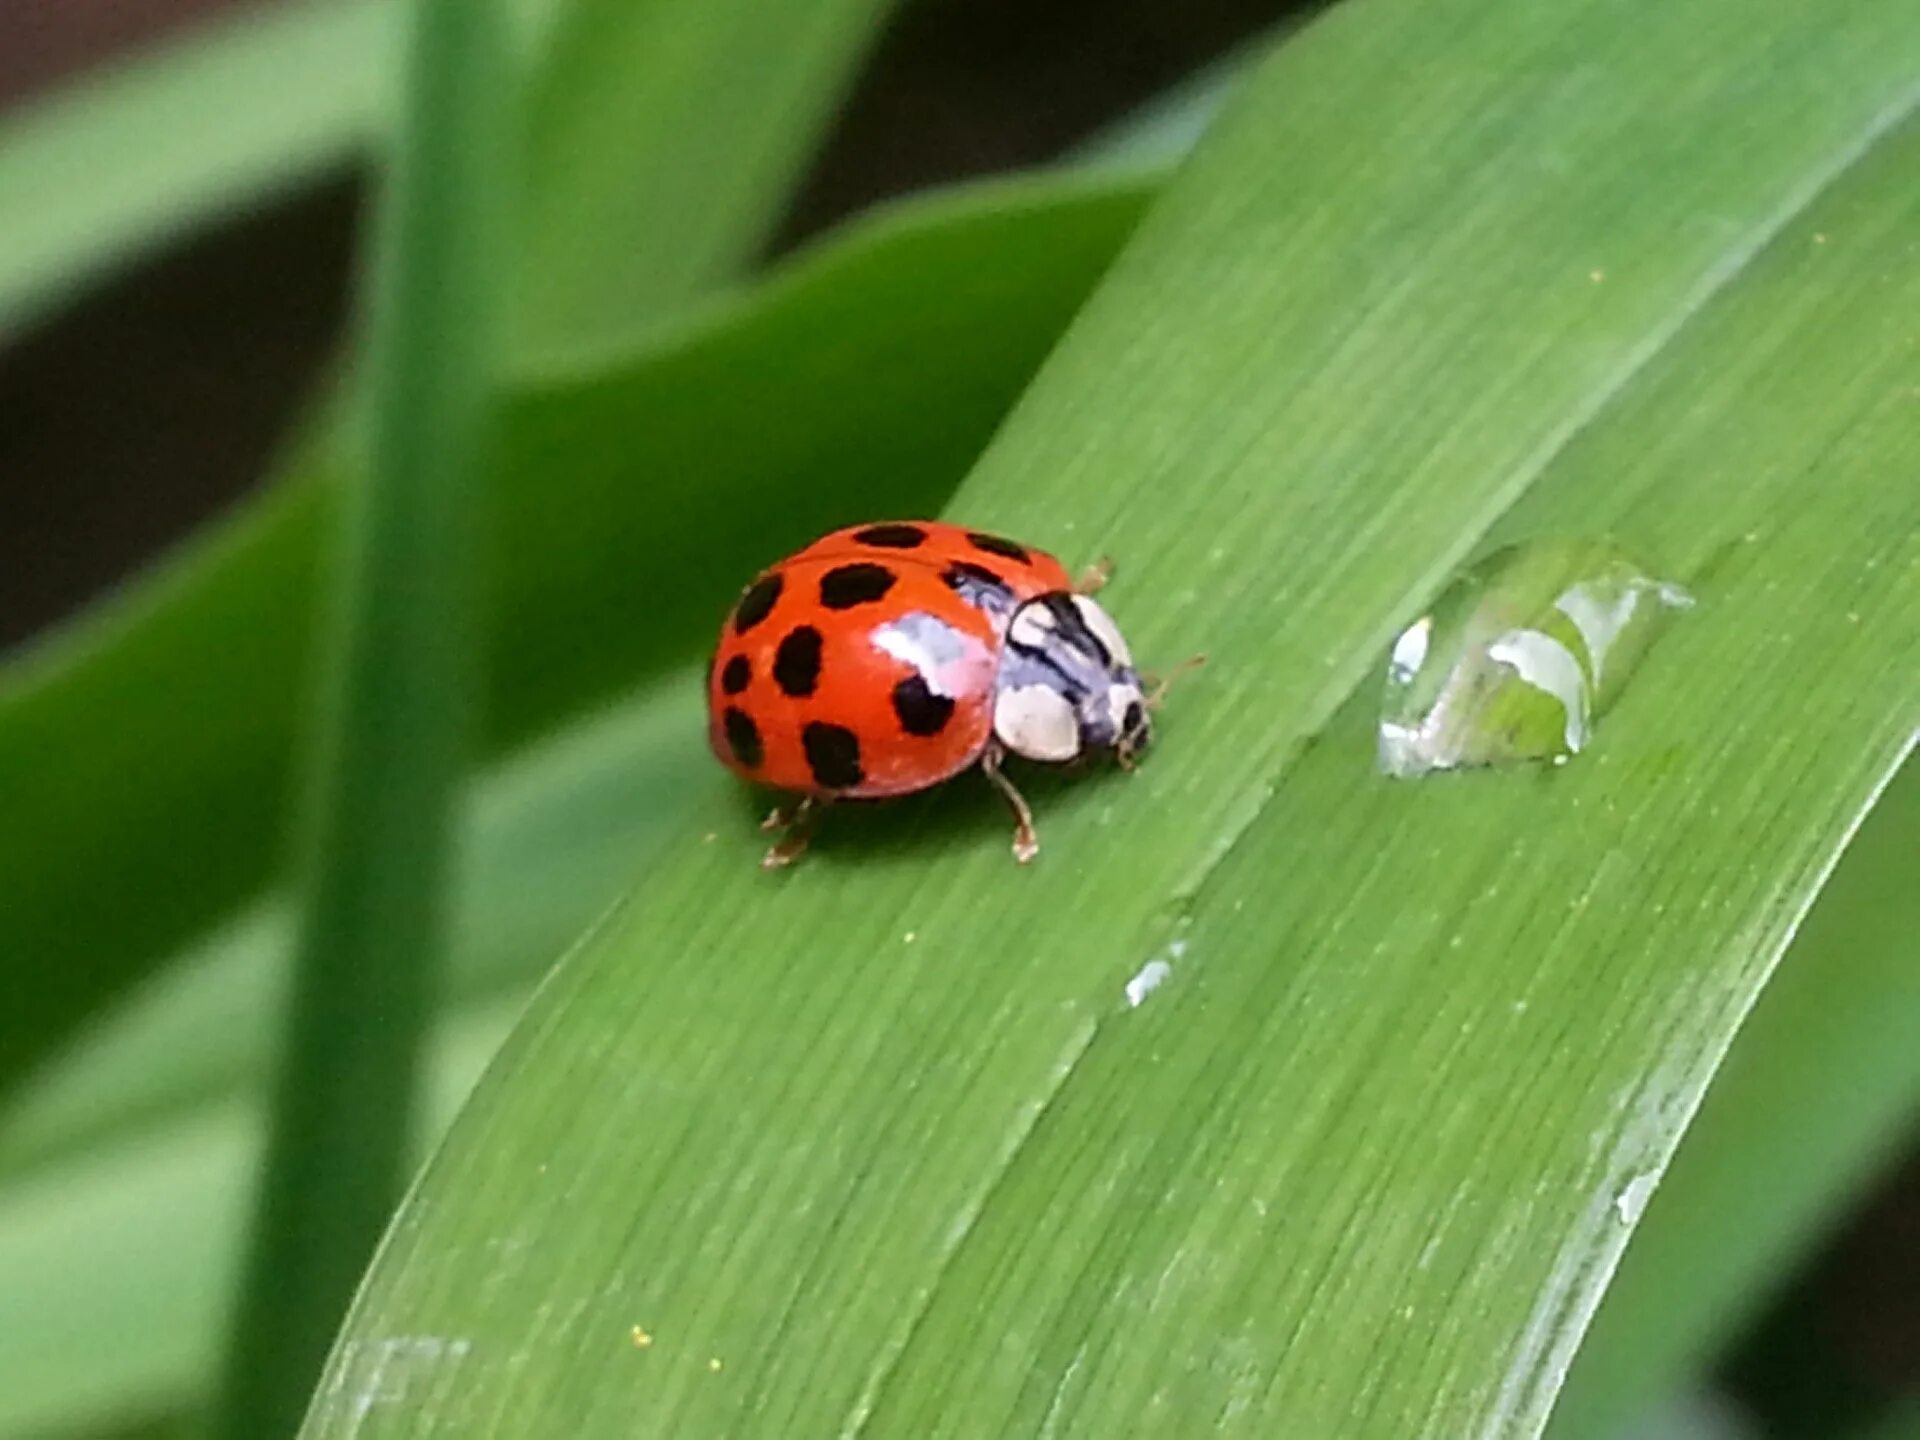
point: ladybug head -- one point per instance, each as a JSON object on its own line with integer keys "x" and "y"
{"x": 1067, "y": 686}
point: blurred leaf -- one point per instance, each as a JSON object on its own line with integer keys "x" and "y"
{"x": 881, "y": 1147}
{"x": 549, "y": 838}
{"x": 243, "y": 109}
{"x": 1695, "y": 1415}
{"x": 152, "y": 743}
{"x": 1165, "y": 130}
{"x": 666, "y": 137}
{"x": 158, "y": 1218}
{"x": 1823, "y": 1079}
{"x": 389, "y": 748}
{"x": 1902, "y": 1424}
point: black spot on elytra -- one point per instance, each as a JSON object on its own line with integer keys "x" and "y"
{"x": 735, "y": 675}
{"x": 921, "y": 711}
{"x": 796, "y": 664}
{"x": 833, "y": 754}
{"x": 998, "y": 545}
{"x": 892, "y": 537}
{"x": 757, "y": 603}
{"x": 743, "y": 738}
{"x": 978, "y": 586}
{"x": 860, "y": 583}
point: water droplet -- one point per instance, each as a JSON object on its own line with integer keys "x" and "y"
{"x": 1519, "y": 655}
{"x": 1152, "y": 976}
{"x": 1631, "y": 1202}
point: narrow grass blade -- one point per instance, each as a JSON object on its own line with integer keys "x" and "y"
{"x": 375, "y": 907}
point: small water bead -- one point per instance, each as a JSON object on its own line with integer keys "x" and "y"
{"x": 1519, "y": 656}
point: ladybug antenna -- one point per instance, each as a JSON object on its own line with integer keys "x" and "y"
{"x": 1158, "y": 685}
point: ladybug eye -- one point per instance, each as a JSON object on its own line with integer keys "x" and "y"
{"x": 1135, "y": 721}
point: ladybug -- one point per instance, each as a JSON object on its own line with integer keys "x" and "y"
{"x": 883, "y": 659}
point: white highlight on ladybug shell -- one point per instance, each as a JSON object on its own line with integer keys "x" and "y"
{"x": 1033, "y": 626}
{"x": 947, "y": 659}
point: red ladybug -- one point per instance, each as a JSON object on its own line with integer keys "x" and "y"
{"x": 885, "y": 658}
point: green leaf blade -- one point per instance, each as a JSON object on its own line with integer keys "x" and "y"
{"x": 886, "y": 1139}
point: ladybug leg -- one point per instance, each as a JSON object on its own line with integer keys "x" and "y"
{"x": 1026, "y": 844}
{"x": 1158, "y": 685}
{"x": 1093, "y": 578}
{"x": 796, "y": 826}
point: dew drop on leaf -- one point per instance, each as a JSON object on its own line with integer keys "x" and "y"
{"x": 1519, "y": 656}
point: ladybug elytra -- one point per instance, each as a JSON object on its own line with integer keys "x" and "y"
{"x": 883, "y": 659}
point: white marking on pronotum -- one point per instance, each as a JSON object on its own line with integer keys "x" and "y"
{"x": 1033, "y": 626}
{"x": 1036, "y": 721}
{"x": 1152, "y": 976}
{"x": 1101, "y": 624}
